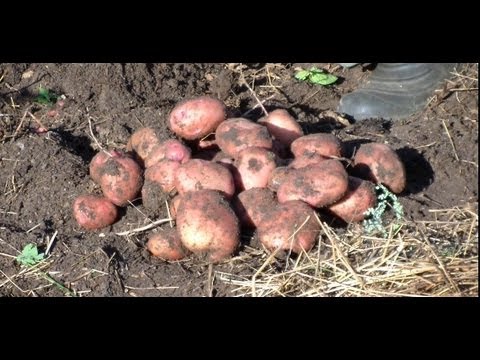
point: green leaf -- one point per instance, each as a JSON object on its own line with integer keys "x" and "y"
{"x": 302, "y": 75}
{"x": 43, "y": 92}
{"x": 46, "y": 97}
{"x": 322, "y": 79}
{"x": 30, "y": 256}
{"x": 316, "y": 76}
{"x": 374, "y": 216}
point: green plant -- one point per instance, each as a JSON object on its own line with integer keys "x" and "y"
{"x": 46, "y": 97}
{"x": 30, "y": 257}
{"x": 316, "y": 76}
{"x": 374, "y": 216}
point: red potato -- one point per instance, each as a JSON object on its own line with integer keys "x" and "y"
{"x": 380, "y": 164}
{"x": 306, "y": 160}
{"x": 254, "y": 167}
{"x": 166, "y": 245}
{"x": 196, "y": 118}
{"x": 359, "y": 198}
{"x": 174, "y": 204}
{"x": 142, "y": 142}
{"x": 207, "y": 225}
{"x": 221, "y": 157}
{"x": 317, "y": 185}
{"x": 199, "y": 174}
{"x": 171, "y": 149}
{"x": 282, "y": 126}
{"x": 120, "y": 179}
{"x": 163, "y": 173}
{"x": 277, "y": 176}
{"x": 98, "y": 162}
{"x": 237, "y": 134}
{"x": 159, "y": 182}
{"x": 322, "y": 144}
{"x": 228, "y": 163}
{"x": 94, "y": 212}
{"x": 253, "y": 205}
{"x": 291, "y": 226}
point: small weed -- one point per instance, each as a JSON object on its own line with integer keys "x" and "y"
{"x": 316, "y": 76}
{"x": 374, "y": 216}
{"x": 30, "y": 257}
{"x": 46, "y": 97}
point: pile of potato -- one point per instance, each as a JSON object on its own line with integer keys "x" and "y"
{"x": 226, "y": 175}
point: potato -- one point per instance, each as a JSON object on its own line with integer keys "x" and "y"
{"x": 380, "y": 164}
{"x": 159, "y": 182}
{"x": 142, "y": 142}
{"x": 94, "y": 212}
{"x": 120, "y": 179}
{"x": 222, "y": 158}
{"x": 196, "y": 118}
{"x": 98, "y": 162}
{"x": 207, "y": 225}
{"x": 163, "y": 173}
{"x": 306, "y": 160}
{"x": 171, "y": 149}
{"x": 359, "y": 198}
{"x": 174, "y": 204}
{"x": 166, "y": 245}
{"x": 321, "y": 144}
{"x": 199, "y": 174}
{"x": 237, "y": 134}
{"x": 253, "y": 205}
{"x": 318, "y": 185}
{"x": 291, "y": 226}
{"x": 277, "y": 176}
{"x": 254, "y": 167}
{"x": 282, "y": 126}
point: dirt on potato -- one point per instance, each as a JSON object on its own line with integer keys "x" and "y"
{"x": 45, "y": 150}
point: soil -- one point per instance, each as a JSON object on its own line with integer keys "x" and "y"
{"x": 45, "y": 150}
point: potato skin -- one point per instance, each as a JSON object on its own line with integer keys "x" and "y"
{"x": 359, "y": 198}
{"x": 121, "y": 180}
{"x": 321, "y": 144}
{"x": 199, "y": 174}
{"x": 282, "y": 126}
{"x": 94, "y": 212}
{"x": 380, "y": 164}
{"x": 317, "y": 185}
{"x": 277, "y": 176}
{"x": 306, "y": 160}
{"x": 253, "y": 205}
{"x": 254, "y": 167}
{"x": 276, "y": 231}
{"x": 166, "y": 245}
{"x": 196, "y": 118}
{"x": 142, "y": 142}
{"x": 159, "y": 183}
{"x": 174, "y": 204}
{"x": 163, "y": 173}
{"x": 171, "y": 149}
{"x": 207, "y": 225}
{"x": 98, "y": 162}
{"x": 237, "y": 134}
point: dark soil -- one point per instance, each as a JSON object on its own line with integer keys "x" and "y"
{"x": 41, "y": 172}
